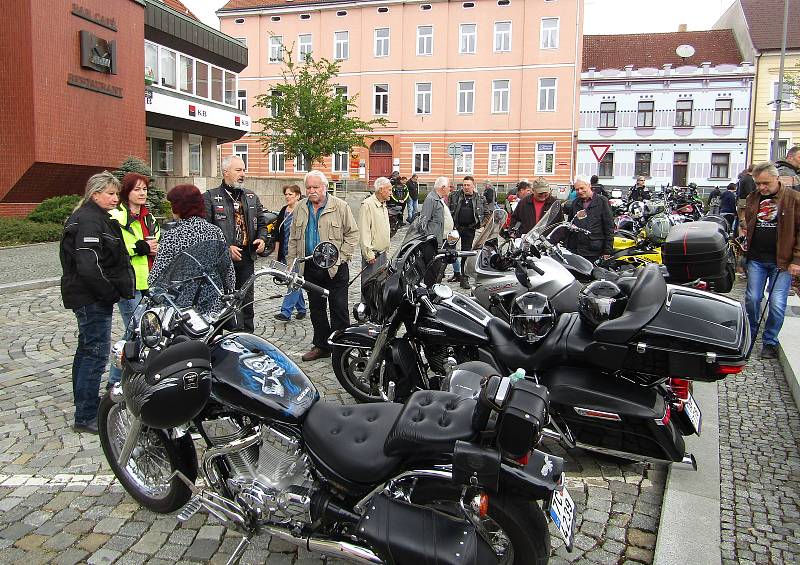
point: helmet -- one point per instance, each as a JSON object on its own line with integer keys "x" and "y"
{"x": 657, "y": 229}
{"x": 532, "y": 317}
{"x": 624, "y": 222}
{"x": 174, "y": 387}
{"x": 600, "y": 301}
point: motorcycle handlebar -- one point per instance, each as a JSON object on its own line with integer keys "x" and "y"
{"x": 311, "y": 287}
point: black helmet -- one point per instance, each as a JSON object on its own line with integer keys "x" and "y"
{"x": 174, "y": 387}
{"x": 532, "y": 317}
{"x": 599, "y": 301}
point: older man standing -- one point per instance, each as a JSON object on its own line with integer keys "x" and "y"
{"x": 593, "y": 213}
{"x": 789, "y": 168}
{"x": 533, "y": 207}
{"x": 772, "y": 226}
{"x": 324, "y": 218}
{"x": 373, "y": 222}
{"x": 436, "y": 219}
{"x": 238, "y": 213}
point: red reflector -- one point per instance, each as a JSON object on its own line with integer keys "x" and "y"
{"x": 483, "y": 508}
{"x": 680, "y": 388}
{"x": 702, "y": 285}
{"x": 667, "y": 414}
{"x": 523, "y": 460}
{"x": 729, "y": 369}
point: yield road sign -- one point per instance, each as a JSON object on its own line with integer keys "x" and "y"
{"x": 600, "y": 151}
{"x": 455, "y": 150}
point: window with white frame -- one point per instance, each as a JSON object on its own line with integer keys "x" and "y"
{"x": 465, "y": 163}
{"x": 722, "y": 111}
{"x": 501, "y": 91}
{"x": 341, "y": 45}
{"x": 277, "y": 160}
{"x": 151, "y": 61}
{"x": 468, "y": 34}
{"x": 186, "y": 74}
{"x": 545, "y": 158}
{"x": 424, "y": 40}
{"x": 276, "y": 49}
{"x": 340, "y": 90}
{"x": 301, "y": 164}
{"x": 641, "y": 164}
{"x": 547, "y": 94}
{"x": 275, "y": 103}
{"x": 241, "y": 100}
{"x": 240, "y": 150}
{"x": 502, "y": 37}
{"x": 168, "y": 61}
{"x": 195, "y": 153}
{"x": 305, "y": 44}
{"x": 608, "y": 114}
{"x": 380, "y": 95}
{"x": 423, "y": 95}
{"x": 340, "y": 162}
{"x": 644, "y": 114}
{"x": 201, "y": 79}
{"x": 549, "y": 34}
{"x": 230, "y": 88}
{"x": 683, "y": 114}
{"x": 605, "y": 169}
{"x": 466, "y": 97}
{"x": 217, "y": 86}
{"x": 163, "y": 153}
{"x": 422, "y": 157}
{"x": 382, "y": 42}
{"x": 720, "y": 165}
{"x": 498, "y": 158}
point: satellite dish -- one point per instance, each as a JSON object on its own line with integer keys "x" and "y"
{"x": 684, "y": 51}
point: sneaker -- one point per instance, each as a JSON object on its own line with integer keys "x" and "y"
{"x": 769, "y": 352}
{"x": 281, "y": 317}
{"x": 300, "y": 315}
{"x": 88, "y": 428}
{"x": 455, "y": 278}
{"x": 465, "y": 282}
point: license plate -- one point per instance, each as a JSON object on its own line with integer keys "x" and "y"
{"x": 562, "y": 512}
{"x": 693, "y": 412}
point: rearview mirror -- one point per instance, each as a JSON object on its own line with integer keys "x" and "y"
{"x": 325, "y": 255}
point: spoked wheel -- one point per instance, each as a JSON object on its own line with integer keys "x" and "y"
{"x": 348, "y": 365}
{"x": 155, "y": 457}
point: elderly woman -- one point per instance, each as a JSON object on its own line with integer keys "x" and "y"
{"x": 141, "y": 233}
{"x": 97, "y": 274}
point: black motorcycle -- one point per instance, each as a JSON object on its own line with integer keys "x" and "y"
{"x": 443, "y": 478}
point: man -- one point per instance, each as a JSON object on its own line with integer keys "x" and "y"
{"x": 533, "y": 207}
{"x": 746, "y": 185}
{"x": 593, "y": 213}
{"x": 639, "y": 191}
{"x": 727, "y": 204}
{"x": 413, "y": 197}
{"x": 713, "y": 200}
{"x": 436, "y": 219}
{"x": 489, "y": 193}
{"x": 772, "y": 227}
{"x": 469, "y": 211}
{"x": 598, "y": 188}
{"x": 789, "y": 168}
{"x": 324, "y": 217}
{"x": 239, "y": 214}
{"x": 373, "y": 222}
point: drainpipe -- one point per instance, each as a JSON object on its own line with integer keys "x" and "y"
{"x": 575, "y": 91}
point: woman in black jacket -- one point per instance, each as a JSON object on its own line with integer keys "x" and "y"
{"x": 591, "y": 212}
{"x": 97, "y": 274}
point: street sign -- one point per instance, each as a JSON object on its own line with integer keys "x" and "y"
{"x": 600, "y": 151}
{"x": 455, "y": 150}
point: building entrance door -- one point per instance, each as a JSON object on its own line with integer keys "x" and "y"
{"x": 680, "y": 168}
{"x": 380, "y": 160}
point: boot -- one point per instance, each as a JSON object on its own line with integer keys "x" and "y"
{"x": 455, "y": 278}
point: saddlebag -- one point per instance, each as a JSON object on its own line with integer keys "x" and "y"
{"x": 522, "y": 419}
{"x": 406, "y": 534}
{"x": 694, "y": 250}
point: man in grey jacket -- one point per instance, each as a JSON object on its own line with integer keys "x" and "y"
{"x": 436, "y": 219}
{"x": 789, "y": 168}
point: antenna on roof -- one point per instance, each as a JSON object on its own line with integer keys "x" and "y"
{"x": 684, "y": 51}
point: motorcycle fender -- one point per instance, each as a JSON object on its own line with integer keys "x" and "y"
{"x": 363, "y": 335}
{"x": 540, "y": 476}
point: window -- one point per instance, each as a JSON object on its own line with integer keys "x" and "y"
{"x": 549, "y": 34}
{"x": 503, "y": 2}
{"x": 545, "y": 158}
{"x": 683, "y": 114}
{"x": 305, "y": 16}
{"x": 305, "y": 46}
{"x": 301, "y": 164}
{"x": 275, "y": 49}
{"x": 277, "y": 160}
{"x": 275, "y": 103}
{"x": 783, "y": 145}
{"x": 341, "y": 45}
{"x": 498, "y": 158}
{"x": 216, "y": 84}
{"x": 340, "y": 90}
{"x": 502, "y": 37}
{"x": 722, "y": 112}
{"x": 340, "y": 162}
{"x": 163, "y": 151}
{"x": 186, "y": 74}
{"x": 467, "y": 5}
{"x": 422, "y": 157}
{"x": 194, "y": 158}
{"x": 201, "y": 79}
{"x": 382, "y": 42}
{"x": 500, "y": 95}
{"x": 606, "y": 167}
{"x": 608, "y": 114}
{"x": 241, "y": 100}
{"x": 642, "y": 164}
{"x": 720, "y": 163}
{"x": 230, "y": 88}
{"x": 425, "y": 7}
{"x": 466, "y": 97}
{"x": 644, "y": 116}
{"x": 466, "y": 161}
{"x": 787, "y": 100}
{"x": 240, "y": 150}
{"x": 151, "y": 61}
{"x": 168, "y": 61}
{"x": 423, "y": 94}
{"x": 424, "y": 40}
{"x": 383, "y": 10}
{"x": 238, "y": 21}
{"x": 547, "y": 95}
{"x": 469, "y": 38}
{"x": 380, "y": 94}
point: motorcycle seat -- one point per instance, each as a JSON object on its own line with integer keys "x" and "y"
{"x": 645, "y": 301}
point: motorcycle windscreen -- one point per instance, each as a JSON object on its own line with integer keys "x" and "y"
{"x": 497, "y": 220}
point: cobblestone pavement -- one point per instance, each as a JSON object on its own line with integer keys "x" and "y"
{"x": 29, "y": 262}
{"x": 59, "y": 502}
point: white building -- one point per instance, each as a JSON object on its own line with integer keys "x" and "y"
{"x": 673, "y": 119}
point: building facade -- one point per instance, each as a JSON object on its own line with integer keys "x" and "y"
{"x": 497, "y": 77}
{"x": 674, "y": 120}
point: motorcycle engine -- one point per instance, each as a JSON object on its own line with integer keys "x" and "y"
{"x": 271, "y": 478}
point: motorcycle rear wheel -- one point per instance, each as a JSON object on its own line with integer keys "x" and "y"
{"x": 348, "y": 366}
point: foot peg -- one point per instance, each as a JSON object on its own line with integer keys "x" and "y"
{"x": 190, "y": 509}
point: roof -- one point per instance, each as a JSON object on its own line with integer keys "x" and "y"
{"x": 765, "y": 22}
{"x": 248, "y": 4}
{"x": 178, "y": 6}
{"x": 654, "y": 50}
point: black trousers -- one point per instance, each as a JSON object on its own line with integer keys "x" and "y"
{"x": 337, "y": 302}
{"x": 244, "y": 270}
{"x": 467, "y": 236}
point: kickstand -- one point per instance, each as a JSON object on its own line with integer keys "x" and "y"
{"x": 239, "y": 551}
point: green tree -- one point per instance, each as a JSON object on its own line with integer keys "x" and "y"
{"x": 156, "y": 198}
{"x": 305, "y": 114}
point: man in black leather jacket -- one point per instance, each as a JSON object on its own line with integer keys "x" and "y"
{"x": 239, "y": 214}
{"x": 469, "y": 211}
{"x": 591, "y": 212}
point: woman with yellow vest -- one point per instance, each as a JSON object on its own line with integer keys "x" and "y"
{"x": 140, "y": 232}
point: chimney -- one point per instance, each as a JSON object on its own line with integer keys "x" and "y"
{"x": 628, "y": 70}
{"x": 681, "y": 27}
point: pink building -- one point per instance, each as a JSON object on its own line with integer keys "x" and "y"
{"x": 500, "y": 78}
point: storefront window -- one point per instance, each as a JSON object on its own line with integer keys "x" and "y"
{"x": 202, "y": 78}
{"x": 230, "y": 89}
{"x": 168, "y": 61}
{"x": 216, "y": 84}
{"x": 186, "y": 69}
{"x": 151, "y": 61}
{"x": 163, "y": 155}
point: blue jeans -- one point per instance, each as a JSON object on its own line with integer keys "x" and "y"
{"x": 293, "y": 300}
{"x": 759, "y": 275}
{"x": 126, "y": 308}
{"x": 413, "y": 208}
{"x": 91, "y": 358}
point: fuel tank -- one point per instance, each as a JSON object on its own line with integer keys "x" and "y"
{"x": 251, "y": 374}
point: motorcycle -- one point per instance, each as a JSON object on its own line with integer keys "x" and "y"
{"x": 443, "y": 478}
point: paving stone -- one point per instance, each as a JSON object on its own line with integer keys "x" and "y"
{"x": 71, "y": 556}
{"x": 150, "y": 543}
{"x": 201, "y": 549}
{"x": 109, "y": 525}
{"x": 92, "y": 542}
{"x": 104, "y": 557}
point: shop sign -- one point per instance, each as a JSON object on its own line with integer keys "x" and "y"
{"x": 94, "y": 17}
{"x": 94, "y": 85}
{"x": 98, "y": 54}
{"x": 159, "y": 103}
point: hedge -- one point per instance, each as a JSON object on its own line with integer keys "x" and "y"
{"x": 54, "y": 210}
{"x": 14, "y": 231}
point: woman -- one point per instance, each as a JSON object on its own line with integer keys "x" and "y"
{"x": 97, "y": 274}
{"x": 141, "y": 233}
{"x": 188, "y": 208}
{"x": 294, "y": 299}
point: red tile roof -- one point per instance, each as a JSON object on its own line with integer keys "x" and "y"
{"x": 765, "y": 21}
{"x": 178, "y": 6}
{"x": 246, "y": 4}
{"x": 656, "y": 49}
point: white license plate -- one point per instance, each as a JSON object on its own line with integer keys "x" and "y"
{"x": 693, "y": 412}
{"x": 562, "y": 511}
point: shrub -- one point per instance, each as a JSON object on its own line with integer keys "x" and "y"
{"x": 54, "y": 210}
{"x": 156, "y": 199}
{"x": 18, "y": 230}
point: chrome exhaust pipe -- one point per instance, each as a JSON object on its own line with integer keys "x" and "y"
{"x": 339, "y": 549}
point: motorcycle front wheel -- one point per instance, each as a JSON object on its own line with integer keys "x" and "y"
{"x": 348, "y": 366}
{"x": 155, "y": 457}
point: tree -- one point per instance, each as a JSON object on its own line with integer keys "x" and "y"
{"x": 156, "y": 199}
{"x": 305, "y": 114}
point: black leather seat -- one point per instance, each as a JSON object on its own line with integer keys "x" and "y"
{"x": 646, "y": 300}
{"x": 350, "y": 439}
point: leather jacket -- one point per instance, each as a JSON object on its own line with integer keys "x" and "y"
{"x": 219, "y": 211}
{"x": 480, "y": 210}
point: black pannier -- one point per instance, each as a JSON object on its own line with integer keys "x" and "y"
{"x": 695, "y": 250}
{"x": 523, "y": 417}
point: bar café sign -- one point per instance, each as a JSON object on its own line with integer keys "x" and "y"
{"x": 97, "y": 54}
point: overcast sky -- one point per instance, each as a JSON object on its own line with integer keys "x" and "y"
{"x": 602, "y": 16}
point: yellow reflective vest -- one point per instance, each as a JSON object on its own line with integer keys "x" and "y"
{"x": 131, "y": 233}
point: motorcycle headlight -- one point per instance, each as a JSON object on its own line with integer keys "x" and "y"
{"x": 360, "y": 312}
{"x": 150, "y": 329}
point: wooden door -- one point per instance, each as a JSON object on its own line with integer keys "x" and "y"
{"x": 380, "y": 160}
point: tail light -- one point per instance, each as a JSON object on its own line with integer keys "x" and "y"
{"x": 730, "y": 369}
{"x": 523, "y": 460}
{"x": 701, "y": 285}
{"x": 680, "y": 388}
